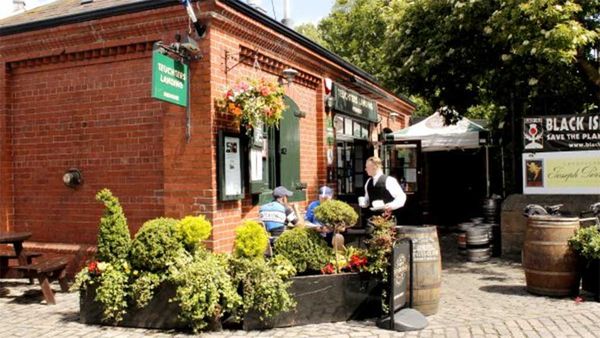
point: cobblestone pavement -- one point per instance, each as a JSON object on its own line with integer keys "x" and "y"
{"x": 478, "y": 300}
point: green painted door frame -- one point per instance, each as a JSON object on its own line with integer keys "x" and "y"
{"x": 288, "y": 151}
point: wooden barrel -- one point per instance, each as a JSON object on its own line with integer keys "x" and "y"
{"x": 426, "y": 267}
{"x": 550, "y": 264}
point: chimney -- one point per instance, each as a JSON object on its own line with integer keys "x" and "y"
{"x": 287, "y": 20}
{"x": 256, "y": 4}
{"x": 19, "y": 6}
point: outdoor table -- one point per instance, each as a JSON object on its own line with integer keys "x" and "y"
{"x": 16, "y": 239}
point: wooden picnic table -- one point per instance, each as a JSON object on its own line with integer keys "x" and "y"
{"x": 16, "y": 239}
{"x": 45, "y": 269}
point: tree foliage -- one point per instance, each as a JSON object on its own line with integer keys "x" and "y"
{"x": 479, "y": 57}
{"x": 312, "y": 32}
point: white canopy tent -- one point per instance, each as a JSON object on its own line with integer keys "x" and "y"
{"x": 435, "y": 136}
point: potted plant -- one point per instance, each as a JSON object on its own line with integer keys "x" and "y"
{"x": 168, "y": 280}
{"x": 586, "y": 242}
{"x": 253, "y": 103}
{"x": 337, "y": 216}
{"x": 328, "y": 288}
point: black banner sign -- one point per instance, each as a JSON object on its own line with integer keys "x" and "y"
{"x": 561, "y": 133}
{"x": 352, "y": 103}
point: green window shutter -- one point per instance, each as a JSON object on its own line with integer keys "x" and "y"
{"x": 289, "y": 150}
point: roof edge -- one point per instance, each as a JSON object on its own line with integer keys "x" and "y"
{"x": 306, "y": 42}
{"x": 86, "y": 16}
{"x": 235, "y": 4}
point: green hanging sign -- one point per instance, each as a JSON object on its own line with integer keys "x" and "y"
{"x": 169, "y": 79}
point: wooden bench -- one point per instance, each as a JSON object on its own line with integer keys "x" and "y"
{"x": 8, "y": 253}
{"x": 47, "y": 270}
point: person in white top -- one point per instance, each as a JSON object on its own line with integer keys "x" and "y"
{"x": 383, "y": 194}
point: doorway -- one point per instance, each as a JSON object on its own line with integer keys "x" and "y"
{"x": 403, "y": 161}
{"x": 350, "y": 169}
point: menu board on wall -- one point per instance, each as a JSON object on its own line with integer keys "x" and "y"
{"x": 231, "y": 185}
{"x": 573, "y": 172}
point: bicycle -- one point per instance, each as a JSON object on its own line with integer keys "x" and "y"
{"x": 593, "y": 210}
{"x": 536, "y": 209}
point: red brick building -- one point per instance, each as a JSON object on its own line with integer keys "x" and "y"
{"x": 75, "y": 92}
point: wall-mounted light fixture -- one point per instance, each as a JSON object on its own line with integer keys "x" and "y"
{"x": 287, "y": 76}
{"x": 73, "y": 178}
{"x": 200, "y": 27}
{"x": 394, "y": 116}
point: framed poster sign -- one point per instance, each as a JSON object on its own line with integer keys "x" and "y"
{"x": 562, "y": 172}
{"x": 231, "y": 183}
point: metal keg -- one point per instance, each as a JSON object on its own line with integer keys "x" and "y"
{"x": 479, "y": 254}
{"x": 462, "y": 237}
{"x": 478, "y": 243}
{"x": 478, "y": 236}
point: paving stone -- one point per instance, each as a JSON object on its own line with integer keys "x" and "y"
{"x": 478, "y": 299}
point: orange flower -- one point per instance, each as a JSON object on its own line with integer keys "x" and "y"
{"x": 231, "y": 106}
{"x": 237, "y": 111}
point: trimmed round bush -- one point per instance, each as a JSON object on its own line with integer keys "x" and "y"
{"x": 155, "y": 245}
{"x": 337, "y": 215}
{"x": 304, "y": 248}
{"x": 251, "y": 240}
{"x": 194, "y": 230}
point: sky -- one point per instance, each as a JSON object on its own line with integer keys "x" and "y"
{"x": 6, "y": 6}
{"x": 302, "y": 11}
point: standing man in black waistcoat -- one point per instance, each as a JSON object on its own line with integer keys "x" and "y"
{"x": 384, "y": 190}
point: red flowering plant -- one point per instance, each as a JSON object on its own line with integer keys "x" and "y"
{"x": 93, "y": 268}
{"x": 253, "y": 103}
{"x": 352, "y": 260}
{"x": 357, "y": 263}
{"x": 328, "y": 269}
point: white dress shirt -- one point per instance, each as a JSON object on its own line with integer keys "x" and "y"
{"x": 392, "y": 186}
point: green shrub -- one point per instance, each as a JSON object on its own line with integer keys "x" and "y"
{"x": 155, "y": 245}
{"x": 113, "y": 234}
{"x": 586, "y": 242}
{"x": 113, "y": 291}
{"x": 264, "y": 290}
{"x": 304, "y": 248}
{"x": 205, "y": 290}
{"x": 142, "y": 289}
{"x": 251, "y": 240}
{"x": 282, "y": 266}
{"x": 194, "y": 230}
{"x": 337, "y": 215}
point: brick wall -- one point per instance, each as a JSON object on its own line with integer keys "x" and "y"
{"x": 78, "y": 95}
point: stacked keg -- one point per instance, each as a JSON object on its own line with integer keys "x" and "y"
{"x": 491, "y": 210}
{"x": 491, "y": 218}
{"x": 462, "y": 237}
{"x": 478, "y": 241}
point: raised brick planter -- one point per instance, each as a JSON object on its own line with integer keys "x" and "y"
{"x": 320, "y": 298}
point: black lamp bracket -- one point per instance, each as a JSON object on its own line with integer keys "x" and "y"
{"x": 236, "y": 57}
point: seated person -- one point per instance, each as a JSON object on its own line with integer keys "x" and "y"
{"x": 325, "y": 194}
{"x": 278, "y": 213}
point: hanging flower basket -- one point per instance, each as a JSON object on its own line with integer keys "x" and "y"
{"x": 253, "y": 103}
